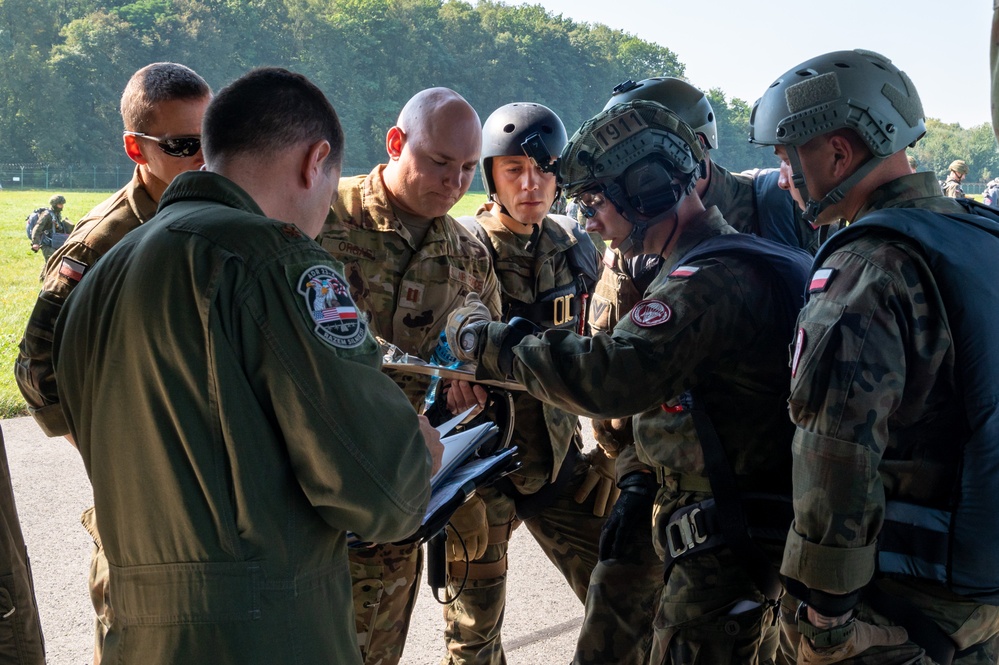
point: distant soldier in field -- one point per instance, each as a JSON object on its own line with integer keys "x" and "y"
{"x": 957, "y": 171}
{"x": 51, "y": 230}
{"x": 408, "y": 264}
{"x": 161, "y": 108}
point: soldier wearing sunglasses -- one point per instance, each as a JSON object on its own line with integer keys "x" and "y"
{"x": 161, "y": 108}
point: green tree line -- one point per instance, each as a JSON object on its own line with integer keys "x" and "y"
{"x": 65, "y": 63}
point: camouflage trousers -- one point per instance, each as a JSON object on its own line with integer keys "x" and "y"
{"x": 973, "y": 627}
{"x": 569, "y": 534}
{"x": 99, "y": 584}
{"x": 385, "y": 585}
{"x": 620, "y": 604}
{"x": 710, "y": 611}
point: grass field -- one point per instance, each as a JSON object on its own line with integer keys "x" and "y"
{"x": 20, "y": 268}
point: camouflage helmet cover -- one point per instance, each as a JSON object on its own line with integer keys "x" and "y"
{"x": 507, "y": 129}
{"x": 608, "y": 148}
{"x": 858, "y": 90}
{"x": 58, "y": 199}
{"x": 958, "y": 166}
{"x": 678, "y": 96}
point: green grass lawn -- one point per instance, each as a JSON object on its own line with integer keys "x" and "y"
{"x": 20, "y": 268}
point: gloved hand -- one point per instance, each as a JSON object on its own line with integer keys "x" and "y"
{"x": 469, "y": 521}
{"x": 470, "y": 317}
{"x": 600, "y": 477}
{"x": 862, "y": 637}
{"x": 613, "y": 435}
{"x": 632, "y": 511}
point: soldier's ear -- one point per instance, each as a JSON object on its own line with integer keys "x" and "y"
{"x": 133, "y": 150}
{"x": 394, "y": 141}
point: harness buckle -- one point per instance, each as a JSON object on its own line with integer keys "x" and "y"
{"x": 682, "y": 534}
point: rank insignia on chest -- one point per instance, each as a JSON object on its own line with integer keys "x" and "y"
{"x": 333, "y": 311}
{"x": 821, "y": 280}
{"x": 684, "y": 271}
{"x": 649, "y": 313}
{"x": 410, "y": 294}
{"x": 71, "y": 269}
{"x": 290, "y": 231}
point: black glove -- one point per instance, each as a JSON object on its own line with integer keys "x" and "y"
{"x": 631, "y": 513}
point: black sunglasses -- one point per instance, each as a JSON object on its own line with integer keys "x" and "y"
{"x": 175, "y": 146}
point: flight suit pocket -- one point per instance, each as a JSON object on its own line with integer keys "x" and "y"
{"x": 812, "y": 354}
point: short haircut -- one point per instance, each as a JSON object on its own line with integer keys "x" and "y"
{"x": 268, "y": 110}
{"x": 155, "y": 83}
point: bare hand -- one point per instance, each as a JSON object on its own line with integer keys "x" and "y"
{"x": 462, "y": 395}
{"x": 432, "y": 439}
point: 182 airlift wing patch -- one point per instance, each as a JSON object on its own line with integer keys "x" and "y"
{"x": 333, "y": 311}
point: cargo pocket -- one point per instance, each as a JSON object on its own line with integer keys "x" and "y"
{"x": 816, "y": 335}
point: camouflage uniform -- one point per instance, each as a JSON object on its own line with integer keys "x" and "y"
{"x": 241, "y": 454}
{"x": 719, "y": 337}
{"x": 610, "y": 602}
{"x": 49, "y": 223}
{"x": 546, "y": 437}
{"x": 93, "y": 236}
{"x": 870, "y": 433}
{"x": 406, "y": 293}
{"x": 952, "y": 187}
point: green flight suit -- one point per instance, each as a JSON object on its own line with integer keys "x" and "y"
{"x": 235, "y": 425}
{"x": 406, "y": 293}
{"x": 873, "y": 380}
{"x": 546, "y": 437}
{"x": 716, "y": 334}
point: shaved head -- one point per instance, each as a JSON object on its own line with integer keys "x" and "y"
{"x": 433, "y": 150}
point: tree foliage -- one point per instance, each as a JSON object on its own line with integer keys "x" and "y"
{"x": 65, "y": 63}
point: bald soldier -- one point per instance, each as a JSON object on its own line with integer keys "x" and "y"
{"x": 408, "y": 264}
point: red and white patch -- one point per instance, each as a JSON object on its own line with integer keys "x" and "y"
{"x": 649, "y": 313}
{"x": 799, "y": 346}
{"x": 684, "y": 271}
{"x": 71, "y": 269}
{"x": 821, "y": 279}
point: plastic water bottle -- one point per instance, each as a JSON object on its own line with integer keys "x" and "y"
{"x": 442, "y": 357}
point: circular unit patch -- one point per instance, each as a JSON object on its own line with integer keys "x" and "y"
{"x": 331, "y": 307}
{"x": 649, "y": 313}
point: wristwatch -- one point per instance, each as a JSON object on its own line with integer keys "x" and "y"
{"x": 469, "y": 338}
{"x": 822, "y": 638}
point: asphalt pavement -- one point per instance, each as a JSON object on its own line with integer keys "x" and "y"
{"x": 51, "y": 489}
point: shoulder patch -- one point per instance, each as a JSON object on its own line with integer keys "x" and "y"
{"x": 684, "y": 271}
{"x": 72, "y": 269}
{"x": 821, "y": 279}
{"x": 333, "y": 311}
{"x": 649, "y": 313}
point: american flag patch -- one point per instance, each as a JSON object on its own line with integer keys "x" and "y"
{"x": 71, "y": 269}
{"x": 820, "y": 280}
{"x": 684, "y": 271}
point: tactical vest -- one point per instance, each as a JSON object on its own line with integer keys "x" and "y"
{"x": 952, "y": 544}
{"x": 561, "y": 307}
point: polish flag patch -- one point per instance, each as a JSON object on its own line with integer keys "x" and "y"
{"x": 649, "y": 313}
{"x": 684, "y": 271}
{"x": 71, "y": 269}
{"x": 821, "y": 279}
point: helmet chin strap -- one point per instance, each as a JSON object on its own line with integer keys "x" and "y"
{"x": 634, "y": 244}
{"x": 814, "y": 208}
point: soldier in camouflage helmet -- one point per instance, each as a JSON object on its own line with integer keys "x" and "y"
{"x": 408, "y": 264}
{"x": 546, "y": 266}
{"x": 51, "y": 230}
{"x": 875, "y": 394}
{"x": 709, "y": 337}
{"x": 956, "y": 173}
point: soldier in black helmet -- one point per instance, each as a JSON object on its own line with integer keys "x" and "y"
{"x": 546, "y": 266}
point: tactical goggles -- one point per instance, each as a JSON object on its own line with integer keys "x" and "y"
{"x": 590, "y": 202}
{"x": 175, "y": 146}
